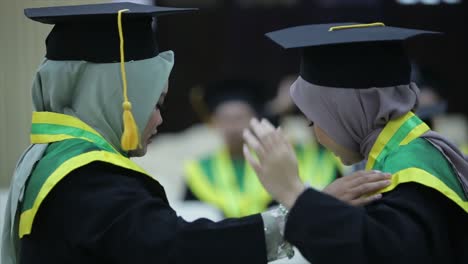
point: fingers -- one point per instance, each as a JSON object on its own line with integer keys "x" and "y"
{"x": 253, "y": 143}
{"x": 284, "y": 141}
{"x": 264, "y": 133}
{"x": 267, "y": 141}
{"x": 270, "y": 139}
{"x": 368, "y": 188}
{"x": 366, "y": 200}
{"x": 360, "y": 188}
{"x": 361, "y": 177}
{"x": 261, "y": 129}
{"x": 267, "y": 125}
{"x": 251, "y": 159}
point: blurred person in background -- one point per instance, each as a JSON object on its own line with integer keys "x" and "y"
{"x": 224, "y": 179}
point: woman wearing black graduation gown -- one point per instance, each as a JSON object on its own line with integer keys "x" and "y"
{"x": 76, "y": 196}
{"x": 355, "y": 86}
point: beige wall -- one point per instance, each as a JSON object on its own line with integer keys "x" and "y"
{"x": 21, "y": 50}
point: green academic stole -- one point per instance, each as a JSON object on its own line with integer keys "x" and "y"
{"x": 400, "y": 150}
{"x": 318, "y": 167}
{"x": 72, "y": 144}
{"x": 214, "y": 181}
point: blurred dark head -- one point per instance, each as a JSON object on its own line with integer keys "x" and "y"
{"x": 230, "y": 105}
{"x": 431, "y": 101}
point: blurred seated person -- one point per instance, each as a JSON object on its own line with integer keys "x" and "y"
{"x": 224, "y": 179}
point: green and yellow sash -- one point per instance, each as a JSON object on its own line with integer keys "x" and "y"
{"x": 72, "y": 144}
{"x": 214, "y": 180}
{"x": 464, "y": 149}
{"x": 318, "y": 167}
{"x": 400, "y": 150}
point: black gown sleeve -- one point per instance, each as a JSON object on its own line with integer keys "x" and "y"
{"x": 411, "y": 224}
{"x": 95, "y": 215}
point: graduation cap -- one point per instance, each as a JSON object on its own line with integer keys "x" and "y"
{"x": 104, "y": 33}
{"x": 206, "y": 99}
{"x": 350, "y": 55}
{"x": 91, "y": 33}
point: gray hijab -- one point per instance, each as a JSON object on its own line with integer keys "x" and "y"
{"x": 355, "y": 117}
{"x": 92, "y": 92}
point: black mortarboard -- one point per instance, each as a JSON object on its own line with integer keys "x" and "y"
{"x": 350, "y": 55}
{"x": 90, "y": 32}
{"x": 104, "y": 33}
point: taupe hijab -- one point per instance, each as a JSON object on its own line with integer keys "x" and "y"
{"x": 355, "y": 117}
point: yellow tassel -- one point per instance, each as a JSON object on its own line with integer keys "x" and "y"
{"x": 130, "y": 137}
